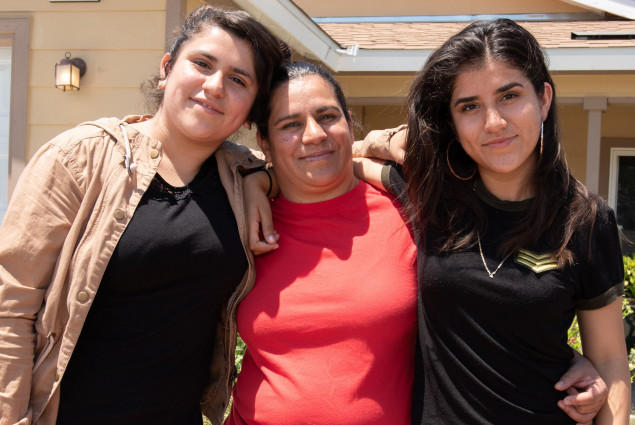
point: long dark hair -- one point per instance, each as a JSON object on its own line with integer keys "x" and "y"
{"x": 269, "y": 52}
{"x": 438, "y": 198}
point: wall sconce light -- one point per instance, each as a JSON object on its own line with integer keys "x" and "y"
{"x": 68, "y": 72}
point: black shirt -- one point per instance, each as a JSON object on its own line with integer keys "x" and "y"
{"x": 144, "y": 353}
{"x": 492, "y": 349}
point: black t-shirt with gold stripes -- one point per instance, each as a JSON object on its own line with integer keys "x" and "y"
{"x": 492, "y": 348}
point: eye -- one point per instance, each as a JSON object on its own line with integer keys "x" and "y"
{"x": 468, "y": 107}
{"x": 201, "y": 63}
{"x": 509, "y": 96}
{"x": 292, "y": 124}
{"x": 238, "y": 81}
{"x": 327, "y": 117}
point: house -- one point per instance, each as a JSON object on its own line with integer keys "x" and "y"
{"x": 374, "y": 48}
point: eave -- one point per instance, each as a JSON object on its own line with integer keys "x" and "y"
{"x": 308, "y": 39}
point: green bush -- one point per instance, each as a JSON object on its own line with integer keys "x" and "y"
{"x": 629, "y": 298}
{"x": 629, "y": 276}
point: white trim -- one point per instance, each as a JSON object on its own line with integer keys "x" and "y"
{"x": 614, "y": 169}
{"x": 525, "y": 17}
{"x": 292, "y": 25}
{"x": 591, "y": 59}
{"x": 594, "y": 107}
{"x": 623, "y": 8}
{"x": 305, "y": 37}
{"x": 5, "y": 103}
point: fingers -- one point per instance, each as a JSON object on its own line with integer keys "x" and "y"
{"x": 398, "y": 146}
{"x": 269, "y": 240}
{"x": 587, "y": 397}
{"x": 358, "y": 149}
{"x": 586, "y": 392}
{"x": 573, "y": 413}
{"x": 261, "y": 247}
{"x": 589, "y": 401}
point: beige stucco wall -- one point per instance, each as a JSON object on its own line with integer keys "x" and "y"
{"x": 618, "y": 130}
{"x": 418, "y": 7}
{"x": 573, "y": 123}
{"x": 122, "y": 42}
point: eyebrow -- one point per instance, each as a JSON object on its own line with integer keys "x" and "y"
{"x": 240, "y": 71}
{"x": 319, "y": 110}
{"x": 499, "y": 90}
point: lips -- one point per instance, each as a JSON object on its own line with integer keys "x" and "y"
{"x": 499, "y": 142}
{"x": 316, "y": 156}
{"x": 208, "y": 105}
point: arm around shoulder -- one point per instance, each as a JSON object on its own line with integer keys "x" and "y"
{"x": 386, "y": 144}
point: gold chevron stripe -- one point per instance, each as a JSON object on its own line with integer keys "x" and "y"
{"x": 537, "y": 262}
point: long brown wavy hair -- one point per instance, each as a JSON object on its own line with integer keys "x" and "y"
{"x": 437, "y": 198}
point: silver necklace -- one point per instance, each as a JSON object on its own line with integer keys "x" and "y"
{"x": 480, "y": 249}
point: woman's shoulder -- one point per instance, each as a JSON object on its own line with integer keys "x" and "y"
{"x": 592, "y": 204}
{"x": 99, "y": 129}
{"x": 596, "y": 221}
{"x": 245, "y": 157}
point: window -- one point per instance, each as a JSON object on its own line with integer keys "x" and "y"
{"x": 5, "y": 107}
{"x": 622, "y": 193}
{"x": 14, "y": 70}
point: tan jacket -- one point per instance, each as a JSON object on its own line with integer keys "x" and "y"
{"x": 67, "y": 213}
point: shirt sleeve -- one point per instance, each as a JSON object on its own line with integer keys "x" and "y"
{"x": 393, "y": 180}
{"x": 247, "y": 160}
{"x": 42, "y": 208}
{"x": 601, "y": 277}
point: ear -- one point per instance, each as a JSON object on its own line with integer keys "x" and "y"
{"x": 163, "y": 71}
{"x": 545, "y": 101}
{"x": 264, "y": 146}
{"x": 247, "y": 125}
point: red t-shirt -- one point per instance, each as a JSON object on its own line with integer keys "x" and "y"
{"x": 330, "y": 324}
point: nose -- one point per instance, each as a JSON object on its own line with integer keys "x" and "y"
{"x": 494, "y": 121}
{"x": 214, "y": 86}
{"x": 313, "y": 132}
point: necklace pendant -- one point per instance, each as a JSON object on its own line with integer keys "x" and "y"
{"x": 480, "y": 250}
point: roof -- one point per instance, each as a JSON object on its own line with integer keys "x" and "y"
{"x": 430, "y": 35}
{"x": 404, "y": 47}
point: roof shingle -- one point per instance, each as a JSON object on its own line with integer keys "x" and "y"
{"x": 431, "y": 35}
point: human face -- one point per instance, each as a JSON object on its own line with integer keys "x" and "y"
{"x": 497, "y": 116}
{"x": 310, "y": 141}
{"x": 209, "y": 89}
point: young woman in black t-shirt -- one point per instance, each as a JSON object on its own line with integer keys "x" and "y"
{"x": 511, "y": 245}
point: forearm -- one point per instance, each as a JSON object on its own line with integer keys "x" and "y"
{"x": 386, "y": 144}
{"x": 617, "y": 377}
{"x": 602, "y": 335}
{"x": 370, "y": 171}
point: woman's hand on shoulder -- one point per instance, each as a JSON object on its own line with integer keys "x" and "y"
{"x": 389, "y": 144}
{"x": 263, "y": 237}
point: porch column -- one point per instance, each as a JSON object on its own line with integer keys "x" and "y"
{"x": 594, "y": 107}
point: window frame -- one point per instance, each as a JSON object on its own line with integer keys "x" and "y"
{"x": 15, "y": 30}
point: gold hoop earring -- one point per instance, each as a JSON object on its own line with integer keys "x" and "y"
{"x": 447, "y": 158}
{"x": 542, "y": 131}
